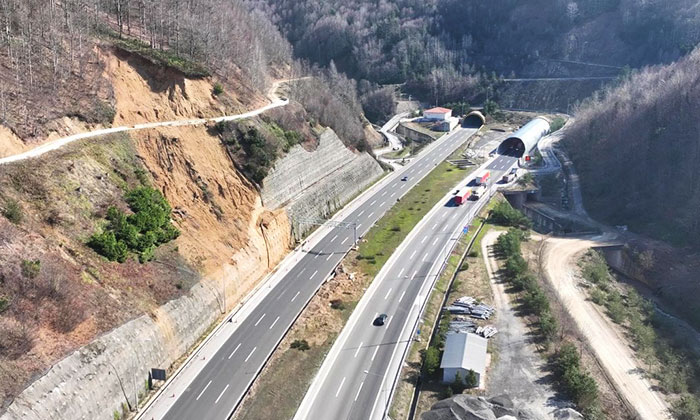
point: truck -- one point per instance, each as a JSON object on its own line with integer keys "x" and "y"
{"x": 482, "y": 177}
{"x": 479, "y": 192}
{"x": 462, "y": 197}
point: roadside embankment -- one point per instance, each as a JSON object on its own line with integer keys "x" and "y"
{"x": 311, "y": 185}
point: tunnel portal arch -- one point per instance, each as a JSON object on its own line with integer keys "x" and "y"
{"x": 525, "y": 139}
{"x": 474, "y": 119}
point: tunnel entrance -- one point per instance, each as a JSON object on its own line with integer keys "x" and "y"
{"x": 512, "y": 146}
{"x": 474, "y": 119}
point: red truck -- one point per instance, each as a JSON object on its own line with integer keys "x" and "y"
{"x": 462, "y": 198}
{"x": 482, "y": 177}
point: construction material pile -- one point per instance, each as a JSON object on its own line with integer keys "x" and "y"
{"x": 467, "y": 305}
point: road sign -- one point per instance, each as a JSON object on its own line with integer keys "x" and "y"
{"x": 158, "y": 374}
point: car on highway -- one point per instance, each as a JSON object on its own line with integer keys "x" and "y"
{"x": 404, "y": 178}
{"x": 379, "y": 321}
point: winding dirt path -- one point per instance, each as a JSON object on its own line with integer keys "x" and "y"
{"x": 609, "y": 346}
{"x": 60, "y": 142}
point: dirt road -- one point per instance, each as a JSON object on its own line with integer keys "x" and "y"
{"x": 609, "y": 347}
{"x": 519, "y": 370}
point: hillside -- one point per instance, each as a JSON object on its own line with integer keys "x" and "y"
{"x": 636, "y": 148}
{"x": 446, "y": 50}
{"x": 92, "y": 68}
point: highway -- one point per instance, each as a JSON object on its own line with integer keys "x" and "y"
{"x": 356, "y": 379}
{"x": 218, "y": 388}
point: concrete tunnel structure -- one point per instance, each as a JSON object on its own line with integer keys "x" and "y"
{"x": 474, "y": 119}
{"x": 525, "y": 139}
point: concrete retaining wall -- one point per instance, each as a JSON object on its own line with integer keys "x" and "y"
{"x": 85, "y": 385}
{"x": 313, "y": 185}
{"x": 412, "y": 134}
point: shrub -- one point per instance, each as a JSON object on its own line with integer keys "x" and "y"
{"x": 30, "y": 268}
{"x": 525, "y": 179}
{"x": 337, "y": 304}
{"x": 616, "y": 309}
{"x": 218, "y": 89}
{"x": 431, "y": 360}
{"x": 13, "y": 211}
{"x": 106, "y": 244}
{"x": 598, "y": 296}
{"x": 686, "y": 408}
{"x": 140, "y": 232}
{"x": 504, "y": 214}
{"x": 579, "y": 385}
{"x": 536, "y": 301}
{"x": 4, "y": 303}
{"x": 515, "y": 266}
{"x": 509, "y": 243}
{"x": 557, "y": 124}
{"x": 15, "y": 339}
{"x": 470, "y": 381}
{"x": 548, "y": 326}
{"x": 301, "y": 345}
{"x": 458, "y": 384}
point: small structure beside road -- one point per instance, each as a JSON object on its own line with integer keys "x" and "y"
{"x": 464, "y": 352}
{"x": 437, "y": 114}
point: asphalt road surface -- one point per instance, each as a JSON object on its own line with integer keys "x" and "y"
{"x": 352, "y": 388}
{"x": 219, "y": 387}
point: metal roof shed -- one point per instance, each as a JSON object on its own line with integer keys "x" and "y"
{"x": 463, "y": 352}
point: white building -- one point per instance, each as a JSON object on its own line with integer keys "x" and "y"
{"x": 438, "y": 114}
{"x": 464, "y": 352}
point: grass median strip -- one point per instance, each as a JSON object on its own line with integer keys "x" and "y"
{"x": 283, "y": 383}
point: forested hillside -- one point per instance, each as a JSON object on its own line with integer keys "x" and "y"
{"x": 637, "y": 149}
{"x": 444, "y": 48}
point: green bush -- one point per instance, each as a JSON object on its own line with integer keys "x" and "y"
{"x": 470, "y": 380}
{"x": 536, "y": 301}
{"x": 30, "y": 268}
{"x": 218, "y": 89}
{"x": 508, "y": 244}
{"x": 596, "y": 270}
{"x": 337, "y": 304}
{"x": 458, "y": 385}
{"x": 106, "y": 244}
{"x": 515, "y": 266}
{"x": 525, "y": 281}
{"x": 13, "y": 211}
{"x": 579, "y": 385}
{"x": 557, "y": 124}
{"x": 616, "y": 309}
{"x": 525, "y": 179}
{"x": 548, "y": 326}
{"x": 431, "y": 360}
{"x": 598, "y": 296}
{"x": 686, "y": 408}
{"x": 4, "y": 303}
{"x": 504, "y": 214}
{"x": 301, "y": 345}
{"x": 140, "y": 232}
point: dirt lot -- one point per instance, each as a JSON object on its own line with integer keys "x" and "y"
{"x": 520, "y": 371}
{"x": 609, "y": 346}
